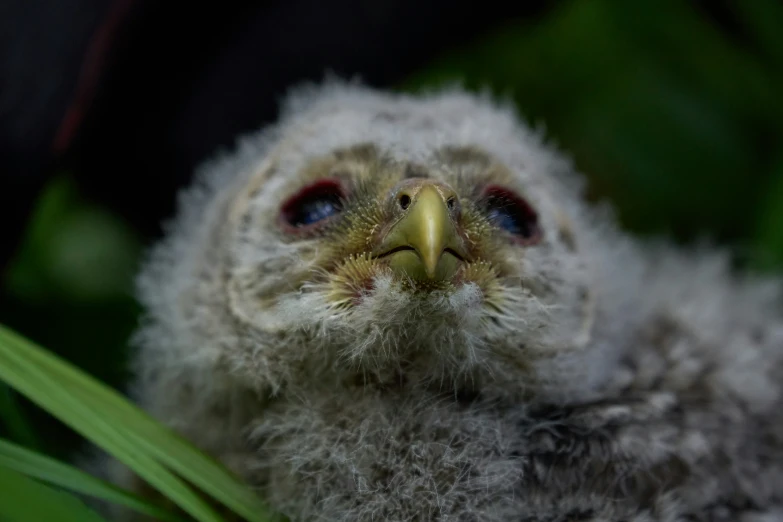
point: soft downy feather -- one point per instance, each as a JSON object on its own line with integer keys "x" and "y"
{"x": 612, "y": 380}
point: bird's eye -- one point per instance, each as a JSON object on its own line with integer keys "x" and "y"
{"x": 313, "y": 204}
{"x": 509, "y": 211}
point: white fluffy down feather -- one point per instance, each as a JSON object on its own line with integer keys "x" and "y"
{"x": 590, "y": 376}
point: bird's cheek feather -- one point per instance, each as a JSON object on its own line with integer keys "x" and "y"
{"x": 353, "y": 279}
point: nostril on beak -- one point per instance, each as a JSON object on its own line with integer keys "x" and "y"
{"x": 404, "y": 200}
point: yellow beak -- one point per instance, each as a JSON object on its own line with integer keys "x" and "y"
{"x": 424, "y": 243}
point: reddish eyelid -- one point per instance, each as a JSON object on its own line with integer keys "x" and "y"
{"x": 506, "y": 193}
{"x": 328, "y": 186}
{"x": 534, "y": 239}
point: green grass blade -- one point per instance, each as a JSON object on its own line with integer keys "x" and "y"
{"x": 46, "y": 469}
{"x": 45, "y": 388}
{"x": 160, "y": 442}
{"x": 59, "y": 388}
{"x": 109, "y": 436}
{"x": 25, "y": 500}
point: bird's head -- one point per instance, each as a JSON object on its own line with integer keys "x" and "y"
{"x": 379, "y": 235}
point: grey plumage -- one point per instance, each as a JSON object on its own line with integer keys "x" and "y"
{"x": 590, "y": 376}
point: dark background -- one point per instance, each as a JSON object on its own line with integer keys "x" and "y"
{"x": 672, "y": 109}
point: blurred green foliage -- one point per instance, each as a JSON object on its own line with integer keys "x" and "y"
{"x": 673, "y": 120}
{"x": 70, "y": 289}
{"x": 676, "y": 120}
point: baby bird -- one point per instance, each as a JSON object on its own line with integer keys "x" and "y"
{"x": 397, "y": 307}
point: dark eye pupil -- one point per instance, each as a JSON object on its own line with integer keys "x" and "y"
{"x": 315, "y": 210}
{"x": 512, "y": 214}
{"x": 313, "y": 204}
{"x": 509, "y": 219}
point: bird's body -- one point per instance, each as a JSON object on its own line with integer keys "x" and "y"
{"x": 401, "y": 308}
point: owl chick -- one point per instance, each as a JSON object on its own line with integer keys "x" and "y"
{"x": 395, "y": 307}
